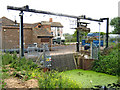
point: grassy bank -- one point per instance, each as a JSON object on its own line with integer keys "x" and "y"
{"x": 88, "y": 79}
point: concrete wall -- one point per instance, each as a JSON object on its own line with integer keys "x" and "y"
{"x": 66, "y": 62}
{"x": 63, "y": 62}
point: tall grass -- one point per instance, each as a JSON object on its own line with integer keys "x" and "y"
{"x": 50, "y": 79}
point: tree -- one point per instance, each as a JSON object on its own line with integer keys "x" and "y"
{"x": 101, "y": 33}
{"x": 81, "y": 34}
{"x": 115, "y": 22}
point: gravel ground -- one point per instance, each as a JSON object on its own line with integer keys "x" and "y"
{"x": 61, "y": 49}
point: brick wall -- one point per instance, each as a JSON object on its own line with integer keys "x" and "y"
{"x": 85, "y": 64}
{"x": 27, "y": 37}
{"x": 35, "y": 32}
{"x": 10, "y": 37}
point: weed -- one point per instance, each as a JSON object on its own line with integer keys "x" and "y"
{"x": 5, "y": 75}
{"x": 53, "y": 80}
{"x": 5, "y": 70}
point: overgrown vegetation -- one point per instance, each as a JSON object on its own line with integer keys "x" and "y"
{"x": 108, "y": 61}
{"x": 53, "y": 79}
{"x": 27, "y": 69}
{"x": 17, "y": 63}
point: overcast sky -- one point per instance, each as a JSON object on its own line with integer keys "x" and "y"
{"x": 91, "y": 8}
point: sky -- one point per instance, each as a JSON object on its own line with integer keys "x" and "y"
{"x": 95, "y": 9}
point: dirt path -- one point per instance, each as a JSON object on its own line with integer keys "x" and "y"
{"x": 13, "y": 82}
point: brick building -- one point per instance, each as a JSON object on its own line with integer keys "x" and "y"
{"x": 33, "y": 33}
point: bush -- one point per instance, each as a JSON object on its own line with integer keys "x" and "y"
{"x": 53, "y": 79}
{"x": 18, "y": 63}
{"x": 23, "y": 64}
{"x": 108, "y": 62}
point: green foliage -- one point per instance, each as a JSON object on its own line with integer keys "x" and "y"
{"x": 5, "y": 70}
{"x": 23, "y": 64}
{"x": 81, "y": 33}
{"x": 108, "y": 62}
{"x": 88, "y": 78}
{"x": 7, "y": 58}
{"x": 115, "y": 22}
{"x": 69, "y": 38}
{"x": 52, "y": 79}
{"x": 18, "y": 63}
{"x": 46, "y": 80}
{"x": 5, "y": 75}
{"x": 101, "y": 33}
{"x": 3, "y": 84}
{"x": 73, "y": 37}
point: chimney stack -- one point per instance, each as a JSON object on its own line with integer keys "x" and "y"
{"x": 50, "y": 20}
{"x": 15, "y": 20}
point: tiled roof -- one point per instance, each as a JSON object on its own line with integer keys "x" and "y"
{"x": 56, "y": 24}
{"x": 42, "y": 32}
{"x": 5, "y": 21}
{"x": 30, "y": 25}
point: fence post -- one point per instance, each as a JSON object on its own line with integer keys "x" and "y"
{"x": 91, "y": 52}
{"x": 44, "y": 55}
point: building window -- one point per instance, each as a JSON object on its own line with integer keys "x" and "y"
{"x": 52, "y": 33}
{"x": 44, "y": 39}
{"x": 58, "y": 34}
{"x": 58, "y": 29}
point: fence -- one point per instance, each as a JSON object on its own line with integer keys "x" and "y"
{"x": 94, "y": 51}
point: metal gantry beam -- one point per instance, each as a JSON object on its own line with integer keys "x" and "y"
{"x": 26, "y": 8}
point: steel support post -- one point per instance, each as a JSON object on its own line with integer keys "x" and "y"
{"x": 21, "y": 38}
{"x": 107, "y": 32}
{"x": 78, "y": 41}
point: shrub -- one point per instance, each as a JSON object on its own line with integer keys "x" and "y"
{"x": 108, "y": 62}
{"x": 17, "y": 63}
{"x": 53, "y": 79}
{"x": 23, "y": 64}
